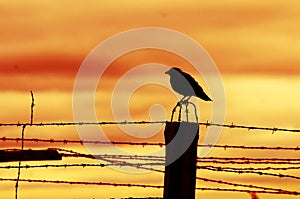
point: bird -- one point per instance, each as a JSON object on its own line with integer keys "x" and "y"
{"x": 184, "y": 84}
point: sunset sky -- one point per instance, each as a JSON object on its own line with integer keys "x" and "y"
{"x": 255, "y": 45}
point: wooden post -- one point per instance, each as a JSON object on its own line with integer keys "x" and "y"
{"x": 181, "y": 140}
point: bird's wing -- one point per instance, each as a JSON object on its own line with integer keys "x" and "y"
{"x": 194, "y": 84}
{"x": 198, "y": 90}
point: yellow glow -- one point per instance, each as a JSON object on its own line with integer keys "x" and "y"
{"x": 254, "y": 43}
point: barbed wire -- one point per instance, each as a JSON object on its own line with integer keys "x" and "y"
{"x": 248, "y": 162}
{"x": 215, "y": 181}
{"x": 31, "y": 107}
{"x": 225, "y": 160}
{"x": 245, "y": 185}
{"x": 233, "y": 161}
{"x": 220, "y": 169}
{"x": 160, "y": 144}
{"x": 22, "y": 144}
{"x": 145, "y": 186}
{"x": 256, "y": 168}
{"x": 218, "y": 181}
{"x": 248, "y": 191}
{"x": 122, "y": 157}
{"x": 142, "y": 164}
{"x": 297, "y": 148}
{"x": 20, "y": 161}
{"x": 71, "y": 153}
{"x": 85, "y": 183}
{"x": 83, "y": 165}
{"x": 138, "y": 165}
{"x": 249, "y": 159}
{"x": 161, "y": 160}
{"x": 216, "y": 160}
{"x": 118, "y": 160}
{"x": 206, "y": 124}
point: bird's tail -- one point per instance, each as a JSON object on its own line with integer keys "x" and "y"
{"x": 204, "y": 97}
{"x": 207, "y": 98}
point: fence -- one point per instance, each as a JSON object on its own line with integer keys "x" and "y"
{"x": 233, "y": 165}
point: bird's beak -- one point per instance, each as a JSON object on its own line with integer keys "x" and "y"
{"x": 167, "y": 72}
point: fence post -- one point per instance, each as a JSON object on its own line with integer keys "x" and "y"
{"x": 180, "y": 170}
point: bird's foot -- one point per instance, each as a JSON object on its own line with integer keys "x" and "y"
{"x": 185, "y": 102}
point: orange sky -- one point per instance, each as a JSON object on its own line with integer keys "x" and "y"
{"x": 54, "y": 37}
{"x": 255, "y": 45}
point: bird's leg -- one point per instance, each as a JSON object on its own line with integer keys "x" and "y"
{"x": 183, "y": 101}
{"x": 187, "y": 112}
{"x": 174, "y": 109}
{"x": 195, "y": 109}
{"x": 186, "y": 101}
{"x": 180, "y": 101}
{"x": 179, "y": 114}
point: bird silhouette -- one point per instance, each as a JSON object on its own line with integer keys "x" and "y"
{"x": 186, "y": 85}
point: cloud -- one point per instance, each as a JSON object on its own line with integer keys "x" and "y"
{"x": 242, "y": 37}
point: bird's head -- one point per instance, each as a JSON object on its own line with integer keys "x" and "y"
{"x": 173, "y": 70}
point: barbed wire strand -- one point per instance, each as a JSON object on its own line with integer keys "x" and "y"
{"x": 248, "y": 162}
{"x": 162, "y": 158}
{"x": 246, "y": 185}
{"x": 205, "y": 179}
{"x": 84, "y": 183}
{"x": 127, "y": 157}
{"x": 247, "y": 191}
{"x": 206, "y": 124}
{"x": 248, "y": 158}
{"x": 297, "y": 148}
{"x": 201, "y": 160}
{"x": 220, "y": 169}
{"x": 198, "y": 178}
{"x": 205, "y": 160}
{"x": 20, "y": 161}
{"x": 211, "y": 180}
{"x": 22, "y": 144}
{"x": 244, "y": 160}
{"x": 146, "y": 186}
{"x": 83, "y": 165}
{"x": 256, "y": 168}
{"x": 140, "y": 166}
{"x": 160, "y": 144}
{"x": 31, "y": 108}
{"x": 250, "y": 171}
